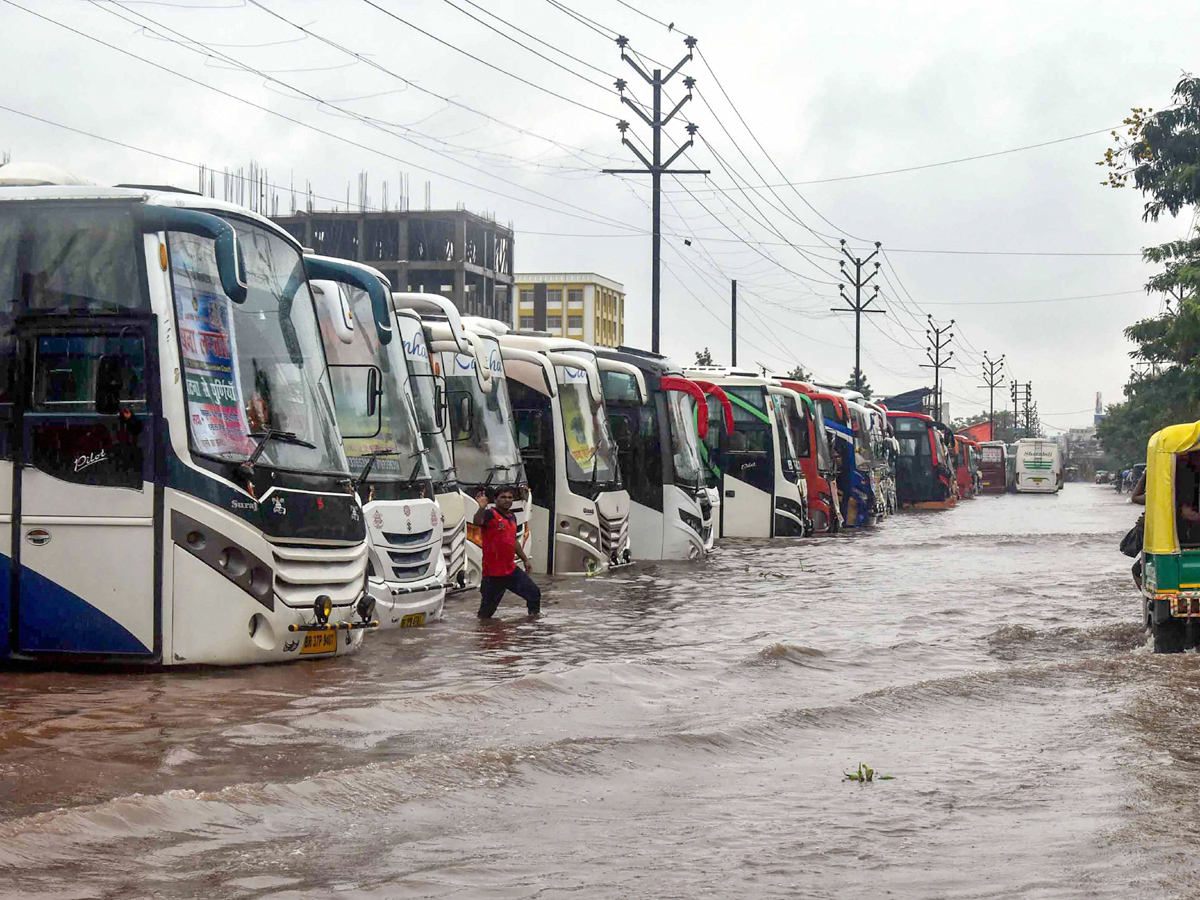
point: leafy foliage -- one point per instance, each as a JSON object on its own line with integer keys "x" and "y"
{"x": 799, "y": 374}
{"x": 866, "y": 774}
{"x": 865, "y": 388}
{"x": 1159, "y": 153}
{"x": 704, "y": 357}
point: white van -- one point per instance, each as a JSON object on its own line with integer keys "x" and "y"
{"x": 1039, "y": 467}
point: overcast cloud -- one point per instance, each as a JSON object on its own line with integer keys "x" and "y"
{"x": 831, "y": 90}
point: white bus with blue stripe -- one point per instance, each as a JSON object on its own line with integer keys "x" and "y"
{"x": 173, "y": 486}
{"x": 384, "y": 442}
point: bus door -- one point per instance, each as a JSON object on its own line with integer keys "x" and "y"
{"x": 83, "y": 536}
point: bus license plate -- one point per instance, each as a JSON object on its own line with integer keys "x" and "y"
{"x": 320, "y": 641}
{"x": 413, "y": 621}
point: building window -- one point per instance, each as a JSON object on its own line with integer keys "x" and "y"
{"x": 526, "y": 323}
{"x": 526, "y": 296}
{"x": 575, "y": 323}
{"x": 575, "y": 297}
{"x": 554, "y": 322}
{"x": 554, "y": 297}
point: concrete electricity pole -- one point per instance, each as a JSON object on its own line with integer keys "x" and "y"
{"x": 857, "y": 306}
{"x": 938, "y": 362}
{"x": 994, "y": 378}
{"x": 655, "y": 167}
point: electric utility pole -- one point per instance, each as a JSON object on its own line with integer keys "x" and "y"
{"x": 655, "y": 167}
{"x": 1028, "y": 408}
{"x": 733, "y": 323}
{"x": 937, "y": 344}
{"x": 1019, "y": 392}
{"x": 993, "y": 378}
{"x": 857, "y": 306}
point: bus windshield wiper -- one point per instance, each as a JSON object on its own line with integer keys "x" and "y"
{"x": 420, "y": 455}
{"x": 371, "y": 457}
{"x": 265, "y": 437}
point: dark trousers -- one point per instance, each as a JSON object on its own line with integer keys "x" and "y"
{"x": 494, "y": 586}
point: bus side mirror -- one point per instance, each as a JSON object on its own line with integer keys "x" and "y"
{"x": 462, "y": 416}
{"x": 372, "y": 391}
{"x": 529, "y": 432}
{"x": 356, "y": 393}
{"x": 108, "y": 385}
{"x": 439, "y": 407}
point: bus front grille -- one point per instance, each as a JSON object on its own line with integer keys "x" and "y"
{"x": 303, "y": 572}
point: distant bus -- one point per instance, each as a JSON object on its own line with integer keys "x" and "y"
{"x": 1039, "y": 467}
{"x": 993, "y": 466}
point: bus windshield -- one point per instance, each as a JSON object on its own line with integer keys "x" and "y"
{"x": 591, "y": 452}
{"x": 254, "y": 371}
{"x": 424, "y": 391}
{"x": 913, "y": 437}
{"x": 685, "y": 449}
{"x": 485, "y": 449}
{"x": 394, "y": 439}
{"x": 824, "y": 457}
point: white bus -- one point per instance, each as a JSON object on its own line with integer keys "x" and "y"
{"x": 173, "y": 485}
{"x": 406, "y": 571}
{"x": 580, "y": 509}
{"x": 1038, "y": 467}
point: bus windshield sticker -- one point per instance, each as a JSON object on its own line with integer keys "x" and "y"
{"x": 209, "y": 351}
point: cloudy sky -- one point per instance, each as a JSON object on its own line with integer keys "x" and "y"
{"x": 507, "y": 107}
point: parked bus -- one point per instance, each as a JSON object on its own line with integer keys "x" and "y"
{"x": 580, "y": 511}
{"x": 757, "y": 498}
{"x": 1038, "y": 467}
{"x": 993, "y": 467}
{"x": 790, "y": 412}
{"x": 871, "y": 459}
{"x": 819, "y": 464}
{"x": 406, "y": 571}
{"x": 658, "y": 420}
{"x": 854, "y": 478}
{"x": 720, "y": 413}
{"x": 966, "y": 465}
{"x": 176, "y": 489}
{"x": 419, "y": 317}
{"x": 924, "y": 477}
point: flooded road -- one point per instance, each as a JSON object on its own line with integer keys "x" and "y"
{"x": 670, "y": 731}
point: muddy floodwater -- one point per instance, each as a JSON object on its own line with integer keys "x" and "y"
{"x": 669, "y": 731}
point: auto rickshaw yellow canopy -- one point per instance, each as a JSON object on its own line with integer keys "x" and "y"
{"x": 1161, "y": 453}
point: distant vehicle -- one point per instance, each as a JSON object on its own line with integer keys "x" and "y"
{"x": 1038, "y": 467}
{"x": 1101, "y": 476}
{"x": 993, "y": 467}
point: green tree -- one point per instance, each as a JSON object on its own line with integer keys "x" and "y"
{"x": 1159, "y": 154}
{"x": 799, "y": 374}
{"x": 704, "y": 357}
{"x": 864, "y": 388}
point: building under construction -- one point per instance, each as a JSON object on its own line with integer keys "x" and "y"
{"x": 457, "y": 254}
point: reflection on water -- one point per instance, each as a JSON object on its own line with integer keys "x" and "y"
{"x": 675, "y": 730}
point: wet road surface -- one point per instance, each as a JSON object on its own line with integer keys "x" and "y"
{"x": 676, "y": 730}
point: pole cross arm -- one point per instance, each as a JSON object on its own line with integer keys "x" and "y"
{"x": 637, "y": 68}
{"x": 678, "y": 107}
{"x": 674, "y": 156}
{"x": 637, "y": 109}
{"x": 678, "y": 66}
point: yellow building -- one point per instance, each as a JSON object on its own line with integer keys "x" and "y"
{"x": 580, "y": 305}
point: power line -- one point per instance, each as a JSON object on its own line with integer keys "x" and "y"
{"x": 590, "y": 217}
{"x": 484, "y": 62}
{"x": 934, "y": 165}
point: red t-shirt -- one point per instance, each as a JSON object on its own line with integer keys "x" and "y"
{"x": 499, "y": 535}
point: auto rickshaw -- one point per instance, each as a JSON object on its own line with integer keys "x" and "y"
{"x": 1171, "y": 545}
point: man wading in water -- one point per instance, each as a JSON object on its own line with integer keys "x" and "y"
{"x": 498, "y": 529}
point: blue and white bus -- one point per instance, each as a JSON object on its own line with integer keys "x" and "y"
{"x": 173, "y": 485}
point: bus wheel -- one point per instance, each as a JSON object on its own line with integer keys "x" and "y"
{"x": 1170, "y": 635}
